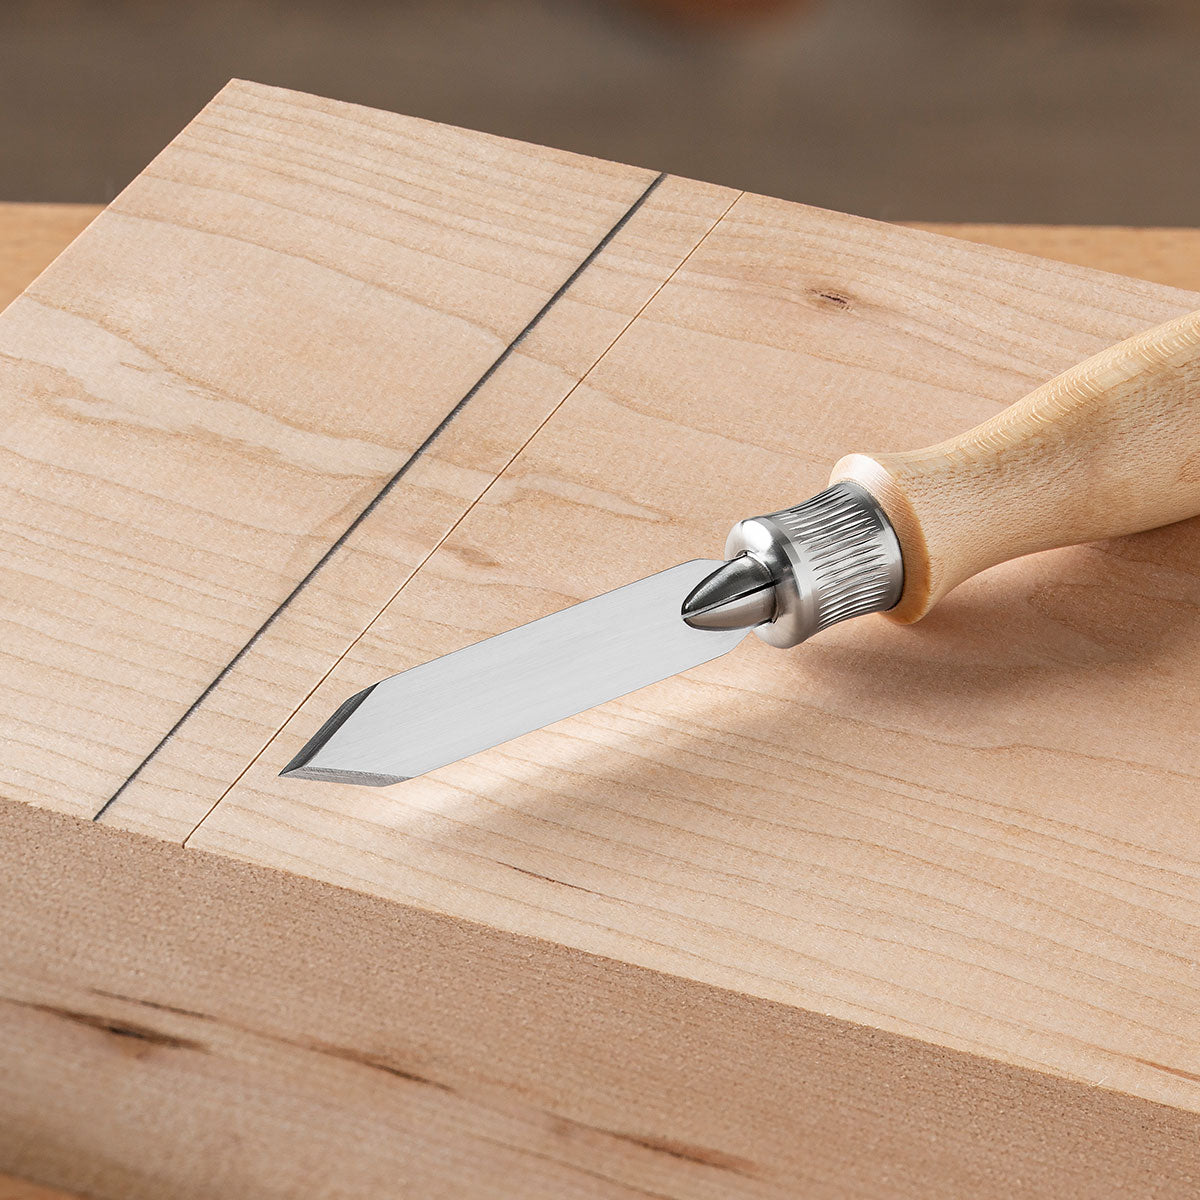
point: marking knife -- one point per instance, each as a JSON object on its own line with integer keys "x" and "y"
{"x": 1108, "y": 448}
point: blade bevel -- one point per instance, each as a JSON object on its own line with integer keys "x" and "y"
{"x": 514, "y": 683}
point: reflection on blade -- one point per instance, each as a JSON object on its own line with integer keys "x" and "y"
{"x": 486, "y": 694}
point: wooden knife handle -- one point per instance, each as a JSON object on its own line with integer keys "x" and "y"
{"x": 1110, "y": 447}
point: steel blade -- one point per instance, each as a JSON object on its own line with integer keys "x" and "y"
{"x": 511, "y": 684}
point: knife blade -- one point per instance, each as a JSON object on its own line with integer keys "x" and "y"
{"x": 518, "y": 681}
{"x": 1110, "y": 447}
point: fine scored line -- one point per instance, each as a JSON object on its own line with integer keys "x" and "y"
{"x": 467, "y": 512}
{"x": 388, "y": 486}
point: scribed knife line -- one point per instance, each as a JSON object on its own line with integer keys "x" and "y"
{"x": 387, "y": 487}
{"x": 470, "y": 508}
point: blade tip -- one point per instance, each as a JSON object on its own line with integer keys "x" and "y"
{"x": 304, "y": 764}
{"x": 337, "y": 775}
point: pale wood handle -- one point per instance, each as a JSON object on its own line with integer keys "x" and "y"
{"x": 1110, "y": 447}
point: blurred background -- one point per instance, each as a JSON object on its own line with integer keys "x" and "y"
{"x": 1069, "y": 111}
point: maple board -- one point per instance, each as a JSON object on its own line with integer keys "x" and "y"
{"x": 905, "y": 912}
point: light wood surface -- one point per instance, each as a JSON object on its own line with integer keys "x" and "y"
{"x": 21, "y": 1189}
{"x": 908, "y": 912}
{"x": 167, "y": 493}
{"x": 31, "y": 237}
{"x": 1170, "y": 256}
{"x": 876, "y": 825}
{"x": 1109, "y": 447}
{"x": 181, "y": 783}
{"x": 210, "y": 1028}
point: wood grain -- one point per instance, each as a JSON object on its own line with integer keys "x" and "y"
{"x": 173, "y": 793}
{"x": 906, "y": 913}
{"x": 166, "y": 493}
{"x": 33, "y": 235}
{"x": 912, "y": 830}
{"x": 1170, "y": 256}
{"x": 209, "y": 1028}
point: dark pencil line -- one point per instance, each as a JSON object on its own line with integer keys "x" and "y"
{"x": 391, "y": 483}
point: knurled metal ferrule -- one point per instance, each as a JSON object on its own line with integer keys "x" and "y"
{"x": 834, "y": 557}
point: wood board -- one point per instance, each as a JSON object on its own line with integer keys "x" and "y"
{"x": 1022, "y": 949}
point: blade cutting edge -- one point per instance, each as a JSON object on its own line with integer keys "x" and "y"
{"x": 514, "y": 683}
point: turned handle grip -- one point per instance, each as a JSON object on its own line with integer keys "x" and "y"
{"x": 1110, "y": 447}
